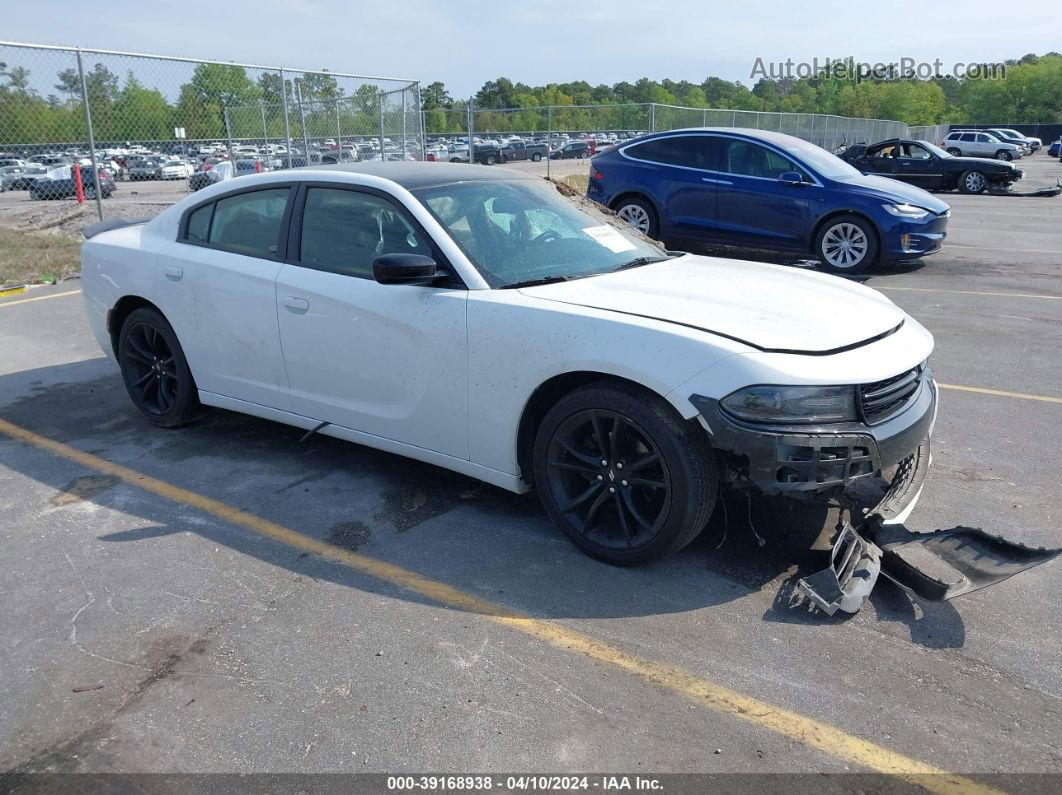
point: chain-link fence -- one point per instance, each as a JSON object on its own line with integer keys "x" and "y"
{"x": 545, "y": 135}
{"x": 934, "y": 133}
{"x": 119, "y": 129}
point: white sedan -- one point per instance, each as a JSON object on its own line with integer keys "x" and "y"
{"x": 477, "y": 319}
{"x": 176, "y": 169}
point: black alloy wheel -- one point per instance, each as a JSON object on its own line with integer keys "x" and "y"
{"x": 622, "y": 475}
{"x": 609, "y": 479}
{"x": 155, "y": 371}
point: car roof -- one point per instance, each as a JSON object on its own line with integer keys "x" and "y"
{"x": 412, "y": 175}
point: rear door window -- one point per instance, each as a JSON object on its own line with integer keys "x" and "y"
{"x": 249, "y": 223}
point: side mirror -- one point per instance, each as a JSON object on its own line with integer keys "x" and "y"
{"x": 404, "y": 269}
{"x": 791, "y": 178}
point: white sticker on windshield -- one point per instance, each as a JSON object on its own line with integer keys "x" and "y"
{"x": 609, "y": 238}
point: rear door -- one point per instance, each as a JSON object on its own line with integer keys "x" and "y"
{"x": 217, "y": 289}
{"x": 754, "y": 207}
{"x": 681, "y": 170}
{"x": 389, "y": 360}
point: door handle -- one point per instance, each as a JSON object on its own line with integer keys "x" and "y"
{"x": 296, "y": 304}
{"x": 173, "y": 273}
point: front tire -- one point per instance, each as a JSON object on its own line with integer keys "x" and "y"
{"x": 489, "y": 160}
{"x": 640, "y": 214}
{"x": 155, "y": 370}
{"x": 847, "y": 244}
{"x": 1002, "y": 154}
{"x": 972, "y": 181}
{"x": 623, "y": 476}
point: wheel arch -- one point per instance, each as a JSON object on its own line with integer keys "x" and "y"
{"x": 836, "y": 214}
{"x": 634, "y": 193}
{"x": 548, "y": 393}
{"x": 122, "y": 308}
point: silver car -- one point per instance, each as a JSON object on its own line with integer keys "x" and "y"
{"x": 977, "y": 143}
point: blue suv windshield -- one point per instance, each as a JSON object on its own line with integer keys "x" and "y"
{"x": 819, "y": 160}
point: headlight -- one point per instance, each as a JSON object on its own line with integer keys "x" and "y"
{"x": 792, "y": 404}
{"x": 906, "y": 211}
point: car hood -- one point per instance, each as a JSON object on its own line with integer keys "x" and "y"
{"x": 894, "y": 191}
{"x": 768, "y": 307}
{"x": 981, "y": 164}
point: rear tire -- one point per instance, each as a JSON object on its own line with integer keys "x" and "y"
{"x": 489, "y": 160}
{"x": 155, "y": 370}
{"x": 847, "y": 244}
{"x": 622, "y": 475}
{"x": 640, "y": 214}
{"x": 954, "y": 152}
{"x": 972, "y": 181}
{"x": 536, "y": 157}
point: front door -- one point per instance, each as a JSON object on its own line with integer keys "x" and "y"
{"x": 918, "y": 166}
{"x": 387, "y": 360}
{"x": 754, "y": 208}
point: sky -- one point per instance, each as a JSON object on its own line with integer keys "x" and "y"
{"x": 464, "y": 44}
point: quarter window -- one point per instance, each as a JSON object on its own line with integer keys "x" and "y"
{"x": 343, "y": 231}
{"x": 690, "y": 151}
{"x": 249, "y": 223}
{"x": 199, "y": 223}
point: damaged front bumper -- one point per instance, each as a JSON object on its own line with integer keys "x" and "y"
{"x": 933, "y": 566}
{"x": 826, "y": 462}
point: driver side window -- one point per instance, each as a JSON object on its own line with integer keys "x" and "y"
{"x": 344, "y": 231}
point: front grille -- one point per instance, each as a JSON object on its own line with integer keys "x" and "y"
{"x": 883, "y": 399}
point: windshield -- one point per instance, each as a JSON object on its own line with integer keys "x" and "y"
{"x": 826, "y": 164}
{"x": 934, "y": 149}
{"x": 515, "y": 231}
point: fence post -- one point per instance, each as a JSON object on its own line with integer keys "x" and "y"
{"x": 733, "y": 118}
{"x": 339, "y": 133}
{"x": 403, "y": 123}
{"x": 704, "y": 118}
{"x": 91, "y": 137}
{"x": 228, "y": 138}
{"x": 265, "y": 129}
{"x": 287, "y": 124}
{"x": 302, "y": 121}
{"x": 419, "y": 109}
{"x": 382, "y": 157}
{"x": 652, "y": 117}
{"x": 471, "y": 129}
{"x": 549, "y": 137}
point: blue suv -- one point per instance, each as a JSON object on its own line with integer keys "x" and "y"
{"x": 768, "y": 191}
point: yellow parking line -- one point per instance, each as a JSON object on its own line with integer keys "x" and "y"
{"x": 807, "y": 731}
{"x": 968, "y": 292}
{"x": 980, "y": 390}
{"x": 39, "y": 298}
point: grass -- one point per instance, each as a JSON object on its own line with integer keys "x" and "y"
{"x": 576, "y": 181}
{"x": 28, "y": 257}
